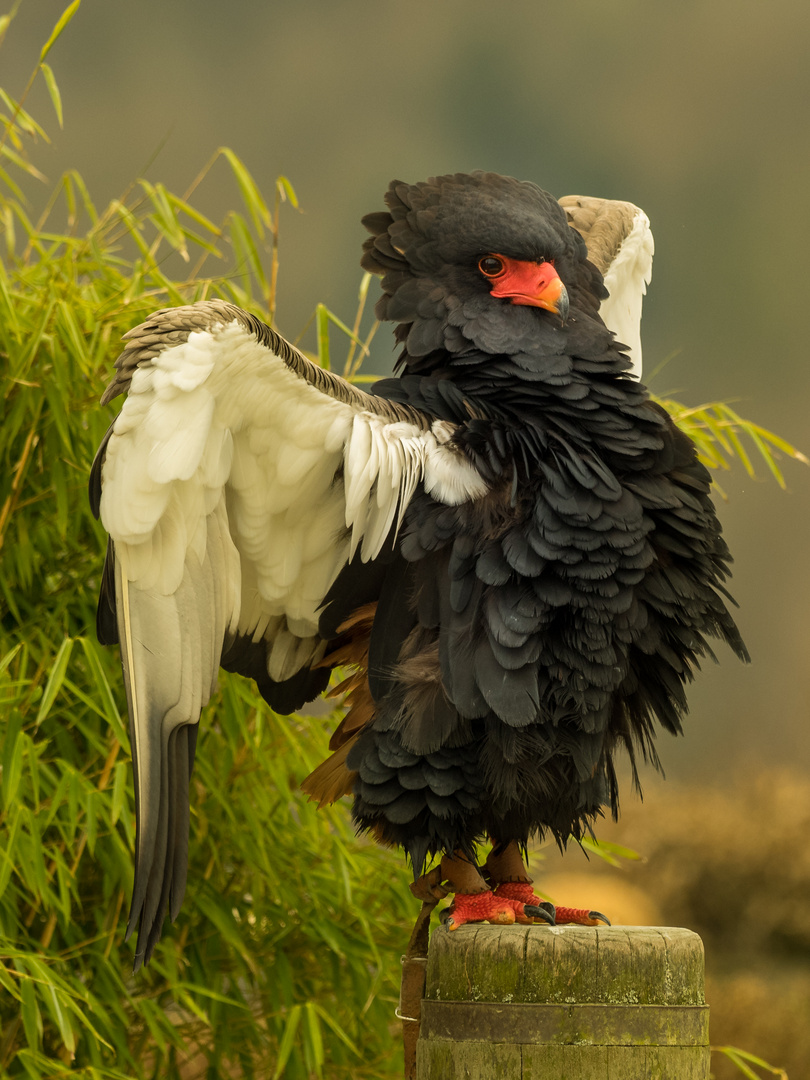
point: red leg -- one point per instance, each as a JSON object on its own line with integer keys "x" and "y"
{"x": 581, "y": 916}
{"x": 480, "y": 907}
{"x": 511, "y": 897}
{"x": 474, "y": 900}
{"x": 511, "y": 881}
{"x": 520, "y": 892}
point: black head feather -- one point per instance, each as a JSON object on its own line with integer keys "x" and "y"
{"x": 427, "y": 247}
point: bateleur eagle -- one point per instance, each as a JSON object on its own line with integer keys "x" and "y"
{"x": 510, "y": 545}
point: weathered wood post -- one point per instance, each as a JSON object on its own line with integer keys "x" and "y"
{"x": 564, "y": 1003}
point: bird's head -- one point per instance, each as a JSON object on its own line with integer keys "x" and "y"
{"x": 478, "y": 262}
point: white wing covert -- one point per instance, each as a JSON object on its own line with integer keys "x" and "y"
{"x": 236, "y": 482}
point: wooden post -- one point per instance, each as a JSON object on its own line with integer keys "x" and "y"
{"x": 564, "y": 1003}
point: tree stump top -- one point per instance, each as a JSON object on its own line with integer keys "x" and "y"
{"x": 616, "y": 965}
{"x": 567, "y": 1002}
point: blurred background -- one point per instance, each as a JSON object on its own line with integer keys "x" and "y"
{"x": 696, "y": 111}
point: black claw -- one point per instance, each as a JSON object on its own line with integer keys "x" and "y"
{"x": 599, "y": 915}
{"x": 545, "y": 911}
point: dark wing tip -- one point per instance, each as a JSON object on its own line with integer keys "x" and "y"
{"x": 161, "y": 862}
{"x": 106, "y": 613}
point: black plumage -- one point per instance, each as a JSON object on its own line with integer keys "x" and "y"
{"x": 572, "y": 604}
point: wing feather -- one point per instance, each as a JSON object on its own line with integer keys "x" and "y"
{"x": 620, "y": 244}
{"x": 236, "y": 483}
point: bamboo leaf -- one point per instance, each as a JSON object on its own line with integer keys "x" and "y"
{"x": 206, "y": 991}
{"x": 31, "y": 1016}
{"x": 778, "y": 443}
{"x": 62, "y": 22}
{"x": 21, "y": 163}
{"x": 55, "y": 679}
{"x": 10, "y": 655}
{"x": 744, "y": 1069}
{"x": 103, "y": 691}
{"x": 91, "y": 819}
{"x": 53, "y": 90}
{"x": 612, "y": 853}
{"x": 287, "y": 1041}
{"x": 180, "y": 204}
{"x": 248, "y": 260}
{"x": 22, "y": 118}
{"x": 313, "y": 1039}
{"x": 184, "y": 998}
{"x": 286, "y": 191}
{"x": 13, "y": 747}
{"x": 57, "y": 1010}
{"x": 740, "y": 451}
{"x": 165, "y": 218}
{"x": 7, "y": 210}
{"x": 254, "y": 203}
{"x": 338, "y": 1030}
{"x": 717, "y": 431}
{"x": 342, "y": 327}
{"x": 7, "y": 850}
{"x": 119, "y": 790}
{"x": 741, "y": 1058}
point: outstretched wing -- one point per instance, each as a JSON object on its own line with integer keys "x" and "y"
{"x": 620, "y": 244}
{"x": 235, "y": 484}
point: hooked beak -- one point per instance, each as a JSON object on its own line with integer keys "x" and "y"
{"x": 533, "y": 285}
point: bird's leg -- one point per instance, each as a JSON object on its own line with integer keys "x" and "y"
{"x": 473, "y": 900}
{"x": 510, "y": 881}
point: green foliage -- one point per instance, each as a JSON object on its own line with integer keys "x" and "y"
{"x": 743, "y": 1060}
{"x": 718, "y": 433}
{"x": 289, "y": 936}
{"x": 611, "y": 853}
{"x": 285, "y": 960}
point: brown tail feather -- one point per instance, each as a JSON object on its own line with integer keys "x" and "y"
{"x": 331, "y": 779}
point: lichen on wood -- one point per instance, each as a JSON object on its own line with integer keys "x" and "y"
{"x": 589, "y": 1003}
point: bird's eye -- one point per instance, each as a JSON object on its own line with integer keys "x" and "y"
{"x": 491, "y": 266}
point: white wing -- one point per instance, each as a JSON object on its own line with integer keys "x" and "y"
{"x": 620, "y": 243}
{"x": 235, "y": 484}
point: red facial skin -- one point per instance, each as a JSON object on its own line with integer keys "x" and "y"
{"x": 529, "y": 283}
